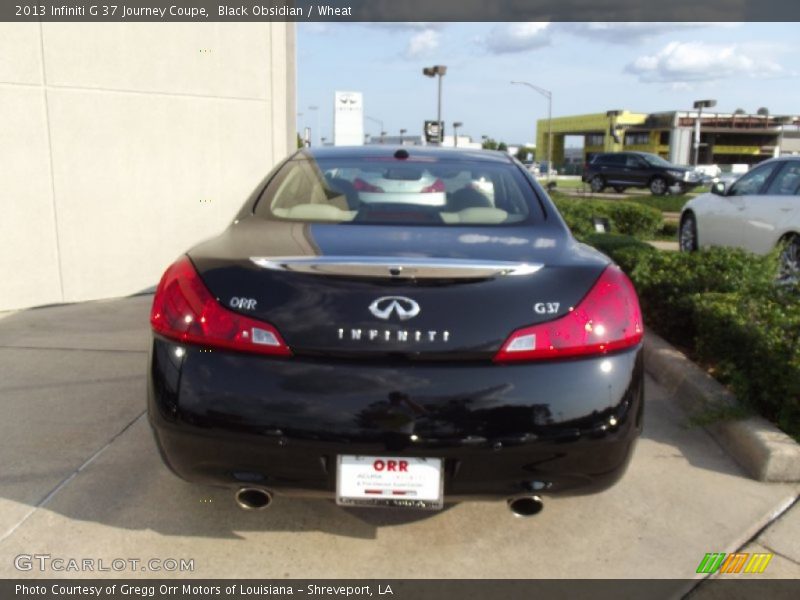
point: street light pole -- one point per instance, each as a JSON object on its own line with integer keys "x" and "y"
{"x": 700, "y": 105}
{"x": 439, "y": 104}
{"x": 549, "y": 95}
{"x": 456, "y": 125}
{"x": 379, "y": 122}
{"x": 402, "y": 133}
{"x": 433, "y": 71}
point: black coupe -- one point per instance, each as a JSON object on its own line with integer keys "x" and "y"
{"x": 397, "y": 327}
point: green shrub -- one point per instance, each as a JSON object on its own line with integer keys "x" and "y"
{"x": 626, "y": 218}
{"x": 754, "y": 342}
{"x": 578, "y": 216}
{"x": 636, "y": 219}
{"x": 669, "y": 230}
{"x": 625, "y": 250}
{"x": 629, "y": 257}
{"x": 666, "y": 203}
{"x": 725, "y": 306}
{"x": 611, "y": 242}
{"x": 668, "y": 281}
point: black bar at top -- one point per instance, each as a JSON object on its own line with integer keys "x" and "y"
{"x": 399, "y": 10}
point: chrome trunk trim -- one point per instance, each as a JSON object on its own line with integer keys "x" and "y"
{"x": 396, "y": 267}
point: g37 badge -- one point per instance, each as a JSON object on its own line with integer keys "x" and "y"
{"x": 546, "y": 308}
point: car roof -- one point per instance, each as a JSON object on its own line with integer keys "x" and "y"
{"x": 387, "y": 151}
{"x": 788, "y": 158}
{"x": 637, "y": 152}
{"x": 776, "y": 159}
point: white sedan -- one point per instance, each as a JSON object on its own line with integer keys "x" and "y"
{"x": 757, "y": 212}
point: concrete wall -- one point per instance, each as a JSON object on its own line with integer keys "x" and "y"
{"x": 790, "y": 143}
{"x": 122, "y": 144}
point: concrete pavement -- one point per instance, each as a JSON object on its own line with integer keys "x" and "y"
{"x": 80, "y": 478}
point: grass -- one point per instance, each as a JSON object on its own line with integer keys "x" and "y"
{"x": 567, "y": 184}
{"x": 663, "y": 203}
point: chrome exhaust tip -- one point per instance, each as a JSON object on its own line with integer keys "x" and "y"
{"x": 253, "y": 498}
{"x": 525, "y": 506}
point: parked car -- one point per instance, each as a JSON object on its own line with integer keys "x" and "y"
{"x": 622, "y": 170}
{"x": 405, "y": 353}
{"x": 543, "y": 169}
{"x": 708, "y": 174}
{"x": 758, "y": 211}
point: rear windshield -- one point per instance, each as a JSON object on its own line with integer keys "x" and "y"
{"x": 390, "y": 190}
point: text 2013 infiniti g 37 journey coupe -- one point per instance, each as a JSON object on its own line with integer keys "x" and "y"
{"x": 397, "y": 327}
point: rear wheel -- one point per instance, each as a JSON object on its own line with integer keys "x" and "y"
{"x": 597, "y": 184}
{"x": 687, "y": 234}
{"x": 790, "y": 258}
{"x": 619, "y": 188}
{"x": 658, "y": 186}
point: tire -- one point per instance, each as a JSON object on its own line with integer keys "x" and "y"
{"x": 687, "y": 233}
{"x": 658, "y": 186}
{"x": 789, "y": 260}
{"x": 597, "y": 184}
{"x": 619, "y": 188}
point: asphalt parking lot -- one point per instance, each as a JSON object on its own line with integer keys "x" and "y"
{"x": 80, "y": 477}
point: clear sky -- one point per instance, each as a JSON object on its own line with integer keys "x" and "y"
{"x": 589, "y": 67}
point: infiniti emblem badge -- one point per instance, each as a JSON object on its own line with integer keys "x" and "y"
{"x": 405, "y": 308}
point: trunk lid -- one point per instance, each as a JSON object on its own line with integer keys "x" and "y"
{"x": 390, "y": 291}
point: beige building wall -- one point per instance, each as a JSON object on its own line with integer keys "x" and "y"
{"x": 122, "y": 144}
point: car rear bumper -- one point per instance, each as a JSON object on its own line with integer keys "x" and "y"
{"x": 239, "y": 420}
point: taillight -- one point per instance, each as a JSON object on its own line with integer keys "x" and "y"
{"x": 184, "y": 310}
{"x": 607, "y": 319}
{"x": 436, "y": 186}
{"x": 363, "y": 186}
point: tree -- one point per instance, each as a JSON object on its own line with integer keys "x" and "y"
{"x": 489, "y": 144}
{"x": 524, "y": 151}
{"x": 502, "y": 146}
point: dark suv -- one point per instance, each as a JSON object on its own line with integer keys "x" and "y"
{"x": 622, "y": 170}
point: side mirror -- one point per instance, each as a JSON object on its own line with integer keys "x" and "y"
{"x": 718, "y": 188}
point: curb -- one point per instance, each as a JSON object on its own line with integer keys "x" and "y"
{"x": 761, "y": 449}
{"x": 664, "y": 245}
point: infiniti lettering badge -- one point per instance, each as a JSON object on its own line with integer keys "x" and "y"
{"x": 404, "y": 308}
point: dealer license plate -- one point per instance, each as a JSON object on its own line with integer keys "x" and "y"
{"x": 404, "y": 482}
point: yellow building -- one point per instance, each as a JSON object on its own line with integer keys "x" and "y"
{"x": 724, "y": 138}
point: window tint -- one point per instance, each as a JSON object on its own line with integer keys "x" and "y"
{"x": 752, "y": 182}
{"x": 614, "y": 160}
{"x": 634, "y": 162}
{"x": 388, "y": 190}
{"x": 787, "y": 181}
{"x": 655, "y": 160}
